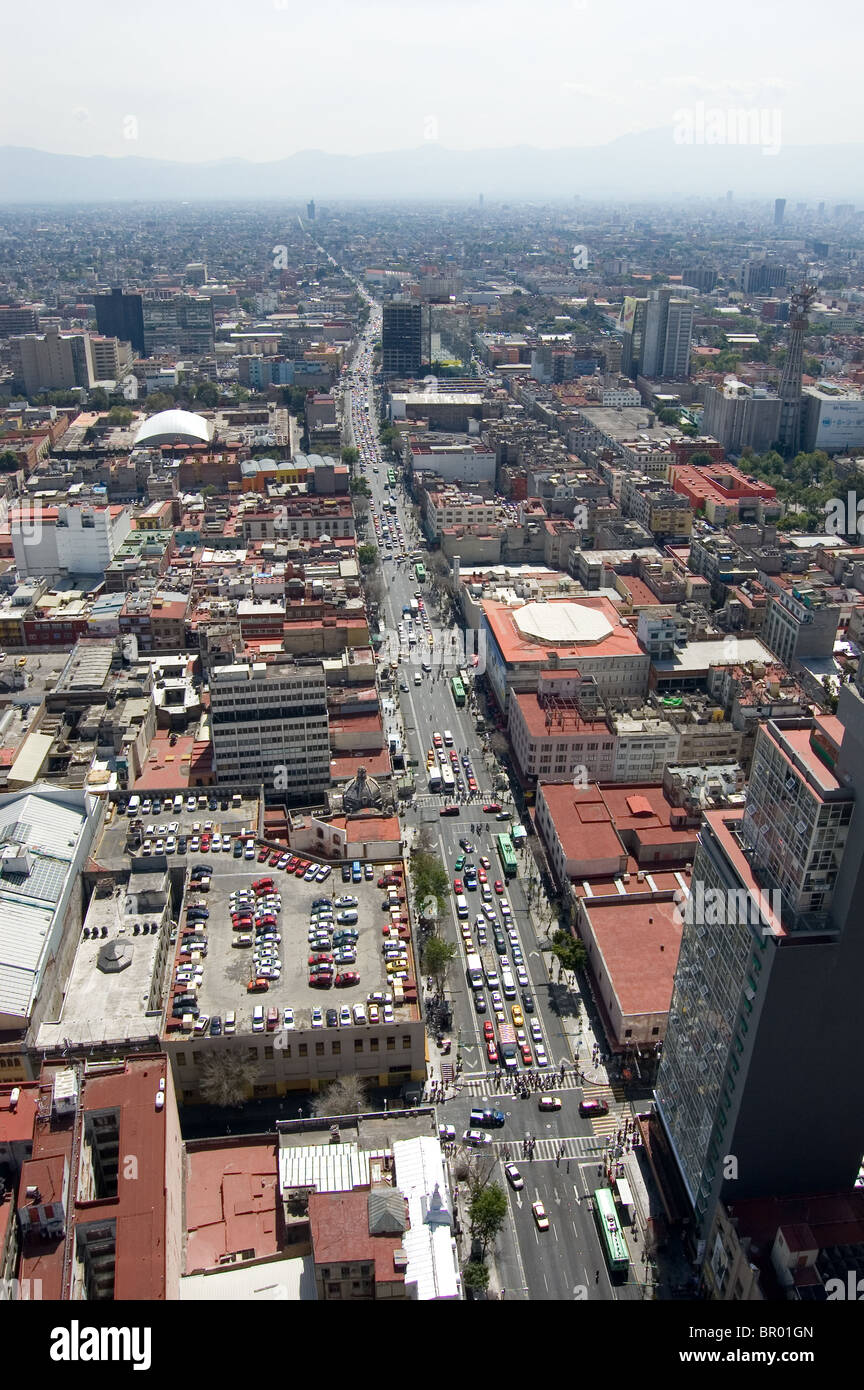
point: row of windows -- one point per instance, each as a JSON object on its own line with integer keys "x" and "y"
{"x": 321, "y": 1049}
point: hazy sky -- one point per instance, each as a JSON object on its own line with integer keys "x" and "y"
{"x": 258, "y": 79}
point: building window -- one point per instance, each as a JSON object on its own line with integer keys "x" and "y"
{"x": 268, "y": 1054}
{"x": 336, "y": 1049}
{"x": 181, "y": 1059}
{"x": 391, "y": 1044}
{"x": 406, "y": 1042}
{"x": 358, "y": 1044}
{"x": 303, "y": 1050}
{"x": 319, "y": 1049}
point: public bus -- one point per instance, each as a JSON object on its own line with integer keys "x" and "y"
{"x": 391, "y": 477}
{"x": 420, "y": 574}
{"x": 448, "y": 781}
{"x": 457, "y": 690}
{"x": 507, "y": 855}
{"x": 434, "y": 779}
{"x": 611, "y": 1235}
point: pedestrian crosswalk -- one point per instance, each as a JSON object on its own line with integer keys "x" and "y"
{"x": 487, "y": 1084}
{"x": 579, "y": 1146}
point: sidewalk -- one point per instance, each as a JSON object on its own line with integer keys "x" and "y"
{"x": 579, "y": 1034}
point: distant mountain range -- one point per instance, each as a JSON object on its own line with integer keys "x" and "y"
{"x": 654, "y": 165}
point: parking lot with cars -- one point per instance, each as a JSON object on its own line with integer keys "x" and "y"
{"x": 259, "y": 939}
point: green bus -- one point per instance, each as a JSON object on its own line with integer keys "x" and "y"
{"x": 458, "y": 691}
{"x": 391, "y": 477}
{"x": 611, "y": 1234}
{"x": 507, "y": 855}
{"x": 420, "y": 574}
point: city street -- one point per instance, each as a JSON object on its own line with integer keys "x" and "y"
{"x": 416, "y": 714}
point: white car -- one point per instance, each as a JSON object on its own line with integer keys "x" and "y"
{"x": 359, "y": 1013}
{"x": 505, "y": 908}
{"x": 540, "y": 1057}
{"x": 288, "y": 1018}
{"x": 536, "y": 1030}
{"x": 317, "y": 1018}
{"x": 344, "y": 1016}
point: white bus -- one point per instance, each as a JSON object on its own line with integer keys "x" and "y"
{"x": 448, "y": 781}
{"x": 434, "y": 779}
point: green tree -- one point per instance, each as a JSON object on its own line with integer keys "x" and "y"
{"x": 487, "y": 1213}
{"x": 120, "y": 415}
{"x": 475, "y": 1276}
{"x": 350, "y": 455}
{"x": 367, "y": 554}
{"x": 701, "y": 456}
{"x": 669, "y": 416}
{"x": 430, "y": 879}
{"x": 98, "y": 399}
{"x": 569, "y": 950}
{"x": 160, "y": 400}
{"x": 207, "y": 394}
{"x": 360, "y": 485}
{"x": 9, "y": 462}
{"x": 437, "y": 957}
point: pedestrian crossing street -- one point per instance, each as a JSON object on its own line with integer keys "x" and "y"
{"x": 603, "y": 1127}
{"x": 487, "y": 1084}
{"x": 581, "y": 1146}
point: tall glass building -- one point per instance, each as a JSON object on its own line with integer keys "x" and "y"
{"x": 760, "y": 1091}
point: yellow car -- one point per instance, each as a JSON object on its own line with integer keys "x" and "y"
{"x": 518, "y": 1018}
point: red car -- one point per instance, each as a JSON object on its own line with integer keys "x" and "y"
{"x": 472, "y": 785}
{"x": 320, "y": 981}
{"x": 274, "y": 859}
{"x": 492, "y": 1052}
{"x": 262, "y": 885}
{"x": 257, "y": 986}
{"x": 499, "y": 886}
{"x": 350, "y": 977}
{"x": 457, "y": 885}
{"x": 292, "y": 864}
{"x": 527, "y": 1055}
{"x": 320, "y": 960}
{"x": 449, "y": 811}
{"x": 492, "y": 806}
{"x": 302, "y": 866}
{"x": 263, "y": 856}
{"x": 481, "y": 876}
{"x": 488, "y": 1031}
{"x": 454, "y": 756}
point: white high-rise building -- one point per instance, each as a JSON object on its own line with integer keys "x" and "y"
{"x": 270, "y": 728}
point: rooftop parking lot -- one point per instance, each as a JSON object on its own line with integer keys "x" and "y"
{"x": 227, "y": 969}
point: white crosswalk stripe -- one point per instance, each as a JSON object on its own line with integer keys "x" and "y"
{"x": 579, "y": 1146}
{"x": 490, "y": 1085}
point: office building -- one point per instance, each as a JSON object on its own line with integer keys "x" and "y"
{"x": 402, "y": 339}
{"x": 761, "y": 275}
{"x": 779, "y": 211}
{"x": 52, "y": 361}
{"x": 310, "y": 210}
{"x": 21, "y": 318}
{"x": 741, "y": 416}
{"x": 832, "y": 419}
{"x": 701, "y": 277}
{"x": 56, "y": 542}
{"x": 270, "y": 728}
{"x": 120, "y": 315}
{"x": 112, "y": 359}
{"x": 760, "y": 1090}
{"x": 180, "y": 324}
{"x": 657, "y": 335}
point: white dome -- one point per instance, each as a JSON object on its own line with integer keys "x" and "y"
{"x": 561, "y": 624}
{"x": 174, "y": 427}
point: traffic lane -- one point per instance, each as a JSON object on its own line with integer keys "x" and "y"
{"x": 562, "y": 1262}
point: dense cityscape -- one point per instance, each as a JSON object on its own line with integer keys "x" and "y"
{"x": 477, "y": 586}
